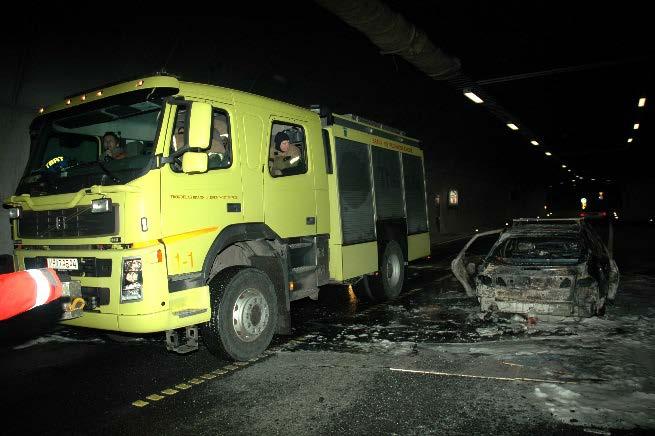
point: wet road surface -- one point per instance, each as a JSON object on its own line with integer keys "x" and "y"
{"x": 339, "y": 371}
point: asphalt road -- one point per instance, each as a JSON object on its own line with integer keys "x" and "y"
{"x": 340, "y": 372}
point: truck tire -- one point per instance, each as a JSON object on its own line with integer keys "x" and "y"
{"x": 389, "y": 282}
{"x": 243, "y": 314}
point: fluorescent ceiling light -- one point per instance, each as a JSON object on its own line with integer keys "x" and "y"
{"x": 548, "y": 153}
{"x": 636, "y": 126}
{"x": 629, "y": 139}
{"x": 642, "y": 102}
{"x": 533, "y": 142}
{"x": 563, "y": 166}
{"x": 473, "y": 97}
{"x": 512, "y": 126}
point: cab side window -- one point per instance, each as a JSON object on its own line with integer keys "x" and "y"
{"x": 219, "y": 152}
{"x": 287, "y": 150}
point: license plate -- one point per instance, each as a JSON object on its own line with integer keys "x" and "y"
{"x": 62, "y": 263}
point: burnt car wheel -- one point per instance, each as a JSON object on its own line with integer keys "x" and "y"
{"x": 243, "y": 313}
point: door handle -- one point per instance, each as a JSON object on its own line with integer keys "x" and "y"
{"x": 311, "y": 220}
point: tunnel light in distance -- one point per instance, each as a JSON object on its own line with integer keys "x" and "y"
{"x": 548, "y": 153}
{"x": 630, "y": 140}
{"x": 99, "y": 93}
{"x": 636, "y": 126}
{"x": 563, "y": 166}
{"x": 474, "y": 98}
{"x": 533, "y": 142}
{"x": 642, "y": 102}
{"x": 512, "y": 126}
{"x": 68, "y": 101}
{"x": 41, "y": 110}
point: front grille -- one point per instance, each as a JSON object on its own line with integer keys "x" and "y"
{"x": 67, "y": 223}
{"x": 88, "y": 266}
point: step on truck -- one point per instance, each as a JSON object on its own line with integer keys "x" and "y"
{"x": 202, "y": 211}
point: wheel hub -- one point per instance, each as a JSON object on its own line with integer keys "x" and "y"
{"x": 393, "y": 270}
{"x": 250, "y": 315}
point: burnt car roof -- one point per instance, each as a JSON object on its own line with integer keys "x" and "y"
{"x": 551, "y": 227}
{"x": 545, "y": 229}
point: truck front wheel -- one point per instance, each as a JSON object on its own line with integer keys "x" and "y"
{"x": 243, "y": 313}
{"x": 389, "y": 282}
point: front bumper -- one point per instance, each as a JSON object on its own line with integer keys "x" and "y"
{"x": 100, "y": 281}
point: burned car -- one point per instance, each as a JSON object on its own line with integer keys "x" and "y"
{"x": 539, "y": 267}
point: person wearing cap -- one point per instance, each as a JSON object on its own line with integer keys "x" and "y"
{"x": 285, "y": 155}
{"x": 111, "y": 147}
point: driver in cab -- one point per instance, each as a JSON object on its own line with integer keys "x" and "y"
{"x": 111, "y": 147}
{"x": 284, "y": 155}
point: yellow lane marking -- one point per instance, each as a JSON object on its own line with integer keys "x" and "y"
{"x": 170, "y": 391}
{"x": 196, "y": 381}
{"x": 154, "y": 397}
{"x": 230, "y": 367}
{"x": 140, "y": 403}
{"x": 208, "y": 376}
{"x": 219, "y": 372}
{"x": 183, "y": 386}
{"x": 241, "y": 363}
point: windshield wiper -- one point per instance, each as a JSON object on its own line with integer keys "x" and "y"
{"x": 96, "y": 163}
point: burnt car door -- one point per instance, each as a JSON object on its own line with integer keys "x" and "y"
{"x": 466, "y": 265}
{"x": 602, "y": 266}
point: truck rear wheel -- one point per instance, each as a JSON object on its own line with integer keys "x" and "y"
{"x": 389, "y": 282}
{"x": 243, "y": 313}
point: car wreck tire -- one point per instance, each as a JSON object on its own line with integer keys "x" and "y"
{"x": 243, "y": 314}
{"x": 389, "y": 282}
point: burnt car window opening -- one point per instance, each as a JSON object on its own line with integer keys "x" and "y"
{"x": 541, "y": 248}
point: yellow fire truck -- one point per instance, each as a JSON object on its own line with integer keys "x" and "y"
{"x": 183, "y": 207}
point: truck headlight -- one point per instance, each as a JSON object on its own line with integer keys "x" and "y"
{"x": 101, "y": 205}
{"x": 15, "y": 212}
{"x": 132, "y": 280}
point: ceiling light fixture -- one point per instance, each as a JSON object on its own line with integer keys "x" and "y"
{"x": 636, "y": 126}
{"x": 474, "y": 98}
{"x": 642, "y": 102}
{"x": 548, "y": 153}
{"x": 629, "y": 140}
{"x": 512, "y": 126}
{"x": 533, "y": 142}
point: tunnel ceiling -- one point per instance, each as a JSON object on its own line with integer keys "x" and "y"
{"x": 590, "y": 67}
{"x": 572, "y": 75}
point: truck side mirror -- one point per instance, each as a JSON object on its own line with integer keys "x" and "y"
{"x": 194, "y": 162}
{"x": 200, "y": 125}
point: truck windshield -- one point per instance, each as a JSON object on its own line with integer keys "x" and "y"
{"x": 67, "y": 152}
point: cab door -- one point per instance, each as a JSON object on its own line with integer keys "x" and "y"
{"x": 195, "y": 207}
{"x": 289, "y": 201}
